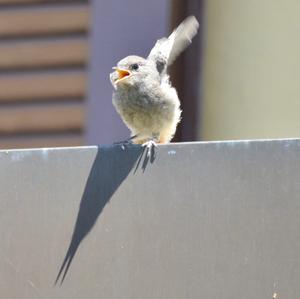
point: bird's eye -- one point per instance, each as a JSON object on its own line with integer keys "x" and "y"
{"x": 135, "y": 66}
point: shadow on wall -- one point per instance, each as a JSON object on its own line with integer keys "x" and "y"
{"x": 110, "y": 168}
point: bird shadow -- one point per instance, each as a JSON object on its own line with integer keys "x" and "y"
{"x": 110, "y": 168}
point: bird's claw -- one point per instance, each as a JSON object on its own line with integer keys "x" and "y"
{"x": 125, "y": 142}
{"x": 149, "y": 145}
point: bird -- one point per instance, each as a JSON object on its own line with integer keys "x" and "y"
{"x": 143, "y": 95}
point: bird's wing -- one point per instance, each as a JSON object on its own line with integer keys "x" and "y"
{"x": 166, "y": 50}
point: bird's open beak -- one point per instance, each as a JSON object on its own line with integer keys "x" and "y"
{"x": 122, "y": 74}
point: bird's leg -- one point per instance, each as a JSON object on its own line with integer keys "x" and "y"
{"x": 125, "y": 142}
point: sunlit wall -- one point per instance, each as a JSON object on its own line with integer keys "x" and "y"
{"x": 251, "y": 70}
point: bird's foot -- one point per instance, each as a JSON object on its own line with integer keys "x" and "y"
{"x": 125, "y": 142}
{"x": 149, "y": 145}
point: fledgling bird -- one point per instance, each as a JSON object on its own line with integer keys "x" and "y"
{"x": 143, "y": 94}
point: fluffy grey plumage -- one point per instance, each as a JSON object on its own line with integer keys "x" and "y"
{"x": 143, "y": 95}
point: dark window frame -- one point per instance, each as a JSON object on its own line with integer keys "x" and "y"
{"x": 186, "y": 71}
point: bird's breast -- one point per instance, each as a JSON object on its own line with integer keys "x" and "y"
{"x": 136, "y": 101}
{"x": 143, "y": 109}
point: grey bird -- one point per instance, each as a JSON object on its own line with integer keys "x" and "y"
{"x": 143, "y": 94}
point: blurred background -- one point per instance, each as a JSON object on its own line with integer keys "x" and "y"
{"x": 238, "y": 80}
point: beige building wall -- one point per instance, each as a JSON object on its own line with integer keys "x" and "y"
{"x": 251, "y": 71}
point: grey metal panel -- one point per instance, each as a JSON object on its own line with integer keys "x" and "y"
{"x": 201, "y": 220}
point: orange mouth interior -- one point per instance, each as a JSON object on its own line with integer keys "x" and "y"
{"x": 122, "y": 74}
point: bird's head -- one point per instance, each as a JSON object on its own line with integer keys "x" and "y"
{"x": 133, "y": 71}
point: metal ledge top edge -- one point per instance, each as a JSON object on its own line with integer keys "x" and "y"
{"x": 219, "y": 142}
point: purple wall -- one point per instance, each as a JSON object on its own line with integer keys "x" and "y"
{"x": 118, "y": 28}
